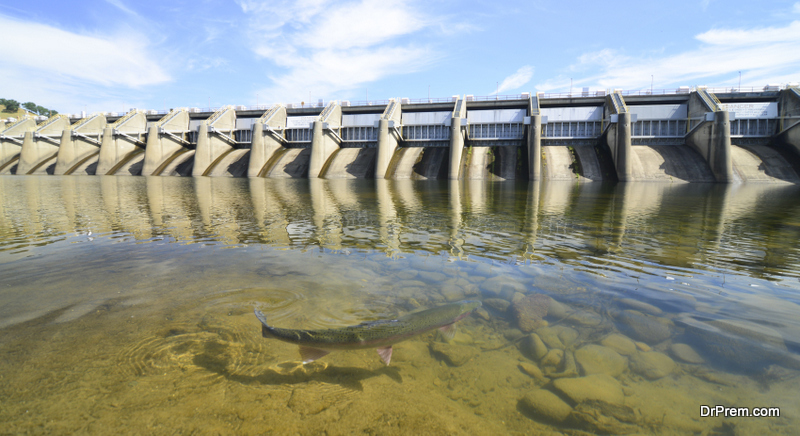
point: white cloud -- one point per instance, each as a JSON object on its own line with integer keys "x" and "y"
{"x": 331, "y": 47}
{"x": 514, "y": 81}
{"x": 121, "y": 6}
{"x": 121, "y": 60}
{"x": 763, "y": 55}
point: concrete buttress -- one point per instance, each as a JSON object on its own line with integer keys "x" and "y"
{"x": 388, "y": 138}
{"x": 214, "y": 139}
{"x": 40, "y": 148}
{"x": 80, "y": 145}
{"x": 123, "y": 142}
{"x": 324, "y": 140}
{"x": 267, "y": 139}
{"x": 457, "y": 138}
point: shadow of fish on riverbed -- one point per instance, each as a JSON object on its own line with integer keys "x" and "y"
{"x": 214, "y": 359}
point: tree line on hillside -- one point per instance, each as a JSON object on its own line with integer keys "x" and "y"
{"x": 13, "y": 106}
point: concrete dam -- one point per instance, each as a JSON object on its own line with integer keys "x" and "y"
{"x": 685, "y": 135}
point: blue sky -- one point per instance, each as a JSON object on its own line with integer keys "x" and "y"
{"x": 111, "y": 55}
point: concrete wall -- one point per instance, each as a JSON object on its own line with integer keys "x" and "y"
{"x": 323, "y": 141}
{"x": 265, "y": 142}
{"x": 41, "y": 147}
{"x": 214, "y": 140}
{"x": 11, "y": 142}
{"x": 789, "y": 107}
{"x": 457, "y": 139}
{"x": 712, "y": 137}
{"x": 80, "y": 144}
{"x": 166, "y": 141}
{"x": 123, "y": 142}
{"x": 388, "y": 139}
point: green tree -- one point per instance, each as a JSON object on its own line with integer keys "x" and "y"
{"x": 31, "y": 106}
{"x": 11, "y": 105}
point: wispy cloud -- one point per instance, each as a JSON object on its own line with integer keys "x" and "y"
{"x": 763, "y": 55}
{"x": 121, "y": 6}
{"x": 514, "y": 81}
{"x": 796, "y": 8}
{"x": 330, "y": 47}
{"x": 62, "y": 67}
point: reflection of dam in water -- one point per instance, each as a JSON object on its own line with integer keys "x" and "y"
{"x": 741, "y": 227}
{"x": 686, "y": 136}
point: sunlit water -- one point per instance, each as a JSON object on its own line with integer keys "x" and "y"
{"x": 126, "y": 305}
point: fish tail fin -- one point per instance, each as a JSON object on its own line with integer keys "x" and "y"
{"x": 265, "y": 329}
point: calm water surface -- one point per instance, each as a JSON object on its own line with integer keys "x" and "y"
{"x": 126, "y": 306}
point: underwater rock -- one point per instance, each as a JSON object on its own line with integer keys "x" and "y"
{"x": 640, "y": 306}
{"x": 557, "y": 336}
{"x": 502, "y": 286}
{"x": 533, "y": 347}
{"x": 546, "y": 406}
{"x": 513, "y": 334}
{"x": 451, "y": 292}
{"x": 756, "y": 332}
{"x": 497, "y": 304}
{"x": 685, "y": 353}
{"x": 735, "y": 351}
{"x": 453, "y": 355}
{"x": 553, "y": 358}
{"x": 652, "y": 365}
{"x": 584, "y": 318}
{"x": 432, "y": 276}
{"x": 557, "y": 310}
{"x": 603, "y": 418}
{"x": 619, "y": 343}
{"x": 530, "y": 310}
{"x": 568, "y": 367}
{"x": 646, "y": 328}
{"x": 597, "y": 359}
{"x": 406, "y": 274}
{"x": 532, "y": 370}
{"x": 599, "y": 387}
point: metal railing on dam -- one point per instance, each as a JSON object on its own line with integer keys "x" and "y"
{"x": 679, "y": 135}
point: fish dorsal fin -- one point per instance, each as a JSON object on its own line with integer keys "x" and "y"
{"x": 386, "y": 354}
{"x": 309, "y": 354}
{"x": 448, "y": 331}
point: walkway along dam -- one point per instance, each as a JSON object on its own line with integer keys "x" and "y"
{"x": 685, "y": 135}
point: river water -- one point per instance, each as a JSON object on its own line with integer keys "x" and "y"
{"x": 126, "y": 306}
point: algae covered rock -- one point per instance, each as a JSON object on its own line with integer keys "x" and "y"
{"x": 497, "y": 304}
{"x": 597, "y": 359}
{"x": 532, "y": 370}
{"x": 604, "y": 418}
{"x": 453, "y": 355}
{"x": 646, "y": 328}
{"x": 543, "y": 405}
{"x": 685, "y": 353}
{"x": 502, "y": 286}
{"x": 530, "y": 310}
{"x": 597, "y": 387}
{"x": 533, "y": 347}
{"x": 652, "y": 365}
{"x": 620, "y": 344}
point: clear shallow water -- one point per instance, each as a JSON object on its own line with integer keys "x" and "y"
{"x": 126, "y": 304}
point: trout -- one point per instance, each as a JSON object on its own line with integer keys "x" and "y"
{"x": 381, "y": 334}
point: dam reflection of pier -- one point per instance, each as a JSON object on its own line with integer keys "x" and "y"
{"x": 595, "y": 225}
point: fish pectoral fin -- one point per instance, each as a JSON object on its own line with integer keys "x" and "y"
{"x": 309, "y": 354}
{"x": 448, "y": 331}
{"x": 385, "y": 353}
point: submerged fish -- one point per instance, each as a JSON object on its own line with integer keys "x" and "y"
{"x": 381, "y": 334}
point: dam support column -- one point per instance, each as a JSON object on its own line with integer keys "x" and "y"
{"x": 387, "y": 140}
{"x": 622, "y": 155}
{"x": 711, "y": 136}
{"x": 214, "y": 140}
{"x": 790, "y": 120}
{"x": 11, "y": 140}
{"x": 324, "y": 139}
{"x": 123, "y": 144}
{"x": 80, "y": 145}
{"x": 535, "y": 148}
{"x": 457, "y": 139}
{"x": 41, "y": 146}
{"x": 266, "y": 139}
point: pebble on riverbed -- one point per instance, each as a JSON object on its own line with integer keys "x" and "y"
{"x": 530, "y": 310}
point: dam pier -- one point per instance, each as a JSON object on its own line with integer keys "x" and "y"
{"x": 684, "y": 135}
